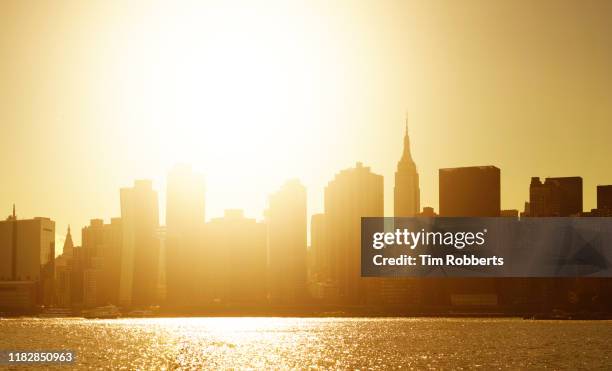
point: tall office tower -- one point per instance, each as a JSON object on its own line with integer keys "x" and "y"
{"x": 185, "y": 212}
{"x": 407, "y": 194}
{"x": 77, "y": 273}
{"x": 470, "y": 191}
{"x": 353, "y": 193}
{"x": 102, "y": 248}
{"x": 138, "y": 284}
{"x": 234, "y": 262}
{"x": 319, "y": 268}
{"x": 555, "y": 197}
{"x": 287, "y": 225}
{"x": 604, "y": 198}
{"x": 467, "y": 192}
{"x": 398, "y": 291}
{"x": 63, "y": 269}
{"x": 27, "y": 254}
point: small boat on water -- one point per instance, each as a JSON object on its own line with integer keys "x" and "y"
{"x": 106, "y": 312}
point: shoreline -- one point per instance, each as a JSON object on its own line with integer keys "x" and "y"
{"x": 535, "y": 317}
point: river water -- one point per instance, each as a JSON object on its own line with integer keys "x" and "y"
{"x": 337, "y": 343}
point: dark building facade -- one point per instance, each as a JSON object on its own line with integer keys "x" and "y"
{"x": 555, "y": 197}
{"x": 467, "y": 192}
{"x": 604, "y": 197}
{"x": 27, "y": 261}
{"x": 470, "y": 191}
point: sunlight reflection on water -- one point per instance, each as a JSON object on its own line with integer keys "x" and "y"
{"x": 264, "y": 343}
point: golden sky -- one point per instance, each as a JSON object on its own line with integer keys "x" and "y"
{"x": 94, "y": 94}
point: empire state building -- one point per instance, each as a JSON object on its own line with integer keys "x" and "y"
{"x": 406, "y": 192}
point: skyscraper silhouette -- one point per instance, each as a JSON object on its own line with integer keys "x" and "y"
{"x": 287, "y": 224}
{"x": 353, "y": 193}
{"x": 555, "y": 197}
{"x": 467, "y": 192}
{"x": 407, "y": 194}
{"x": 102, "y": 244}
{"x": 185, "y": 213}
{"x": 140, "y": 252}
{"x": 604, "y": 197}
{"x": 470, "y": 191}
{"x": 399, "y": 291}
{"x": 63, "y": 273}
{"x": 27, "y": 253}
{"x": 604, "y": 200}
{"x": 234, "y": 263}
{"x": 68, "y": 243}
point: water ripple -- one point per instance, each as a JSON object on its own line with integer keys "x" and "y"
{"x": 318, "y": 343}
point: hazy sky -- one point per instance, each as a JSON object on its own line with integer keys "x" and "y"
{"x": 96, "y": 94}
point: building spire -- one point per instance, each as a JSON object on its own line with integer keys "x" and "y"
{"x": 406, "y": 156}
{"x": 14, "y": 215}
{"x": 406, "y": 193}
{"x": 68, "y": 244}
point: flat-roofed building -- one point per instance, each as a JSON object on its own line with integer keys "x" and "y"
{"x": 27, "y": 253}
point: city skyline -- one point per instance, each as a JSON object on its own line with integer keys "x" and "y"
{"x": 406, "y": 167}
{"x": 135, "y": 261}
{"x": 272, "y": 184}
{"x": 99, "y": 94}
{"x": 138, "y": 261}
